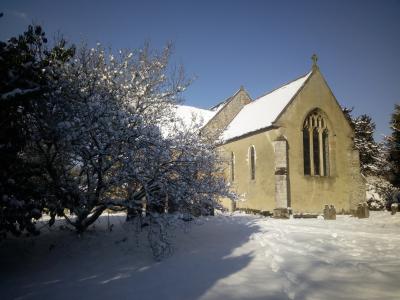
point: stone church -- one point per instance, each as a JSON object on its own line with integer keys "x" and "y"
{"x": 290, "y": 148}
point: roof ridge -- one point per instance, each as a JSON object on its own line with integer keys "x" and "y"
{"x": 220, "y": 103}
{"x": 289, "y": 82}
{"x": 226, "y": 100}
{"x": 196, "y": 107}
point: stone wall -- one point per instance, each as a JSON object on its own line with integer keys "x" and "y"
{"x": 260, "y": 192}
{"x": 225, "y": 115}
{"x": 358, "y": 193}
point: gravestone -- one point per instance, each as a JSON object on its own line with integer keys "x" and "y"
{"x": 329, "y": 212}
{"x": 362, "y": 211}
{"x": 394, "y": 207}
{"x": 232, "y": 207}
{"x": 281, "y": 213}
{"x": 333, "y": 212}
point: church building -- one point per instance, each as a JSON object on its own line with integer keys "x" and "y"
{"x": 290, "y": 148}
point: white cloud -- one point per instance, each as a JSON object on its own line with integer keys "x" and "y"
{"x": 15, "y": 13}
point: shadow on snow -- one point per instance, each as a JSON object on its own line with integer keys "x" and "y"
{"x": 102, "y": 264}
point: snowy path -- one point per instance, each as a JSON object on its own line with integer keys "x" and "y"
{"x": 222, "y": 257}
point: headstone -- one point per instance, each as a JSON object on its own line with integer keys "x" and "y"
{"x": 232, "y": 207}
{"x": 394, "y": 207}
{"x": 266, "y": 213}
{"x": 333, "y": 212}
{"x": 305, "y": 216}
{"x": 362, "y": 211}
{"x": 326, "y": 212}
{"x": 281, "y": 213}
{"x": 329, "y": 212}
{"x": 366, "y": 210}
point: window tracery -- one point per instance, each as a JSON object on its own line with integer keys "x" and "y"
{"x": 316, "y": 144}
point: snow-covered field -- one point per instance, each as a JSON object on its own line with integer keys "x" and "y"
{"x": 221, "y": 257}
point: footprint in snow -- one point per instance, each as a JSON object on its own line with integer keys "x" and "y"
{"x": 288, "y": 290}
{"x": 274, "y": 266}
{"x": 292, "y": 277}
{"x": 276, "y": 259}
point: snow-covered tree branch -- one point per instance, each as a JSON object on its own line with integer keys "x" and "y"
{"x": 103, "y": 143}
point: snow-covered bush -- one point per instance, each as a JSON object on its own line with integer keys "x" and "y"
{"x": 379, "y": 192}
{"x": 182, "y": 174}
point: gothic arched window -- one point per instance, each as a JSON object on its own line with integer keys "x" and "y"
{"x": 316, "y": 144}
{"x": 232, "y": 167}
{"x": 252, "y": 163}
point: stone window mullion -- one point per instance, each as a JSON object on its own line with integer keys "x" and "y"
{"x": 325, "y": 140}
{"x": 321, "y": 153}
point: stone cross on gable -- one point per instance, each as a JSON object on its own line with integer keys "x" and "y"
{"x": 314, "y": 58}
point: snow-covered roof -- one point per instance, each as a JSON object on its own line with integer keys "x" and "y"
{"x": 263, "y": 111}
{"x": 190, "y": 114}
{"x": 186, "y": 117}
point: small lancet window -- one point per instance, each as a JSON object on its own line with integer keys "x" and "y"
{"x": 316, "y": 145}
{"x": 252, "y": 163}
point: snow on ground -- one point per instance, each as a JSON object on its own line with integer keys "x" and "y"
{"x": 221, "y": 257}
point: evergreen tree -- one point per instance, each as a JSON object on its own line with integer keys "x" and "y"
{"x": 347, "y": 113}
{"x": 23, "y": 62}
{"x": 393, "y": 145}
{"x": 364, "y": 142}
{"x": 371, "y": 154}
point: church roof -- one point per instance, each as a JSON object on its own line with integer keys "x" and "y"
{"x": 262, "y": 112}
{"x": 189, "y": 114}
{"x": 186, "y": 117}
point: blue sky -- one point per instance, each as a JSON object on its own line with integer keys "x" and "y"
{"x": 258, "y": 44}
